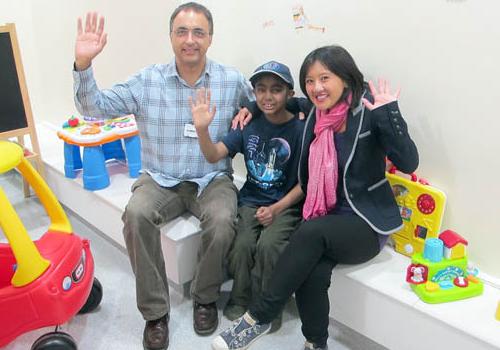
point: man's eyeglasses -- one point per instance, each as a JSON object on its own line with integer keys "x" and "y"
{"x": 196, "y": 32}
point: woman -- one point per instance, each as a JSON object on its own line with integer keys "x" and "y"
{"x": 349, "y": 209}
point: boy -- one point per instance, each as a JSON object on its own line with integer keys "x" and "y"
{"x": 268, "y": 203}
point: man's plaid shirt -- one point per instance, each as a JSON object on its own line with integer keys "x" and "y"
{"x": 158, "y": 97}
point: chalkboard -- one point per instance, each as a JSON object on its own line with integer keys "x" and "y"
{"x": 12, "y": 111}
{"x": 16, "y": 120}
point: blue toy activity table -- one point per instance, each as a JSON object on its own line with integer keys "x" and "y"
{"x": 101, "y": 140}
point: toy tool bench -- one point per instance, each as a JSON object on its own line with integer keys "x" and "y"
{"x": 101, "y": 140}
{"x": 422, "y": 208}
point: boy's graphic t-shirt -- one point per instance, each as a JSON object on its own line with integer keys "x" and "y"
{"x": 271, "y": 153}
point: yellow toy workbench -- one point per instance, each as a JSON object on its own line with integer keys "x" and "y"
{"x": 421, "y": 206}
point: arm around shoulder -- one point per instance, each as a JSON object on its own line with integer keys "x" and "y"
{"x": 299, "y": 104}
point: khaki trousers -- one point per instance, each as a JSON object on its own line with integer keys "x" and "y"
{"x": 152, "y": 206}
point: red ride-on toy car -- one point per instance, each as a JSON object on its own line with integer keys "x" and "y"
{"x": 46, "y": 282}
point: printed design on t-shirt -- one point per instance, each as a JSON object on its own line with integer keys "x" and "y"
{"x": 266, "y": 160}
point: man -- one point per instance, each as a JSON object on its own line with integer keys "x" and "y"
{"x": 176, "y": 177}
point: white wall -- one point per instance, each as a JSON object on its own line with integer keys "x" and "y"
{"x": 443, "y": 53}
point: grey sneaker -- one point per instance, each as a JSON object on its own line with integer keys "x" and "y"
{"x": 244, "y": 331}
{"x": 311, "y": 346}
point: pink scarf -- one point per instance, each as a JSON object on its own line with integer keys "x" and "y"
{"x": 323, "y": 167}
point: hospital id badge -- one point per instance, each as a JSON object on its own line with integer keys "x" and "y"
{"x": 190, "y": 131}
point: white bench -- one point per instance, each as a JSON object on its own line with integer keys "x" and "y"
{"x": 180, "y": 242}
{"x": 375, "y": 300}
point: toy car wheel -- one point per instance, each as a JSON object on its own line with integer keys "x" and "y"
{"x": 94, "y": 298}
{"x": 55, "y": 341}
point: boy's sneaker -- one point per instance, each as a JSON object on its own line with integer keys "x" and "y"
{"x": 234, "y": 311}
{"x": 311, "y": 346}
{"x": 241, "y": 334}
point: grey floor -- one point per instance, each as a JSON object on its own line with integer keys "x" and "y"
{"x": 116, "y": 324}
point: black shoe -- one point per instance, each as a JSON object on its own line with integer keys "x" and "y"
{"x": 156, "y": 334}
{"x": 205, "y": 318}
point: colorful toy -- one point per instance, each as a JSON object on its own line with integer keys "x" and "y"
{"x": 46, "y": 282}
{"x": 73, "y": 122}
{"x": 441, "y": 272}
{"x": 102, "y": 140}
{"x": 421, "y": 207}
{"x": 93, "y": 132}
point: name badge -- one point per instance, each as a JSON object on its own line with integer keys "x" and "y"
{"x": 190, "y": 131}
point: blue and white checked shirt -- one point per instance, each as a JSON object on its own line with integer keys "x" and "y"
{"x": 158, "y": 97}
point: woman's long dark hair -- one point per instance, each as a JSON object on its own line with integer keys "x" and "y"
{"x": 339, "y": 62}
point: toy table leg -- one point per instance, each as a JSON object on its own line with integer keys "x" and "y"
{"x": 72, "y": 160}
{"x": 133, "y": 151}
{"x": 95, "y": 175}
{"x": 113, "y": 150}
